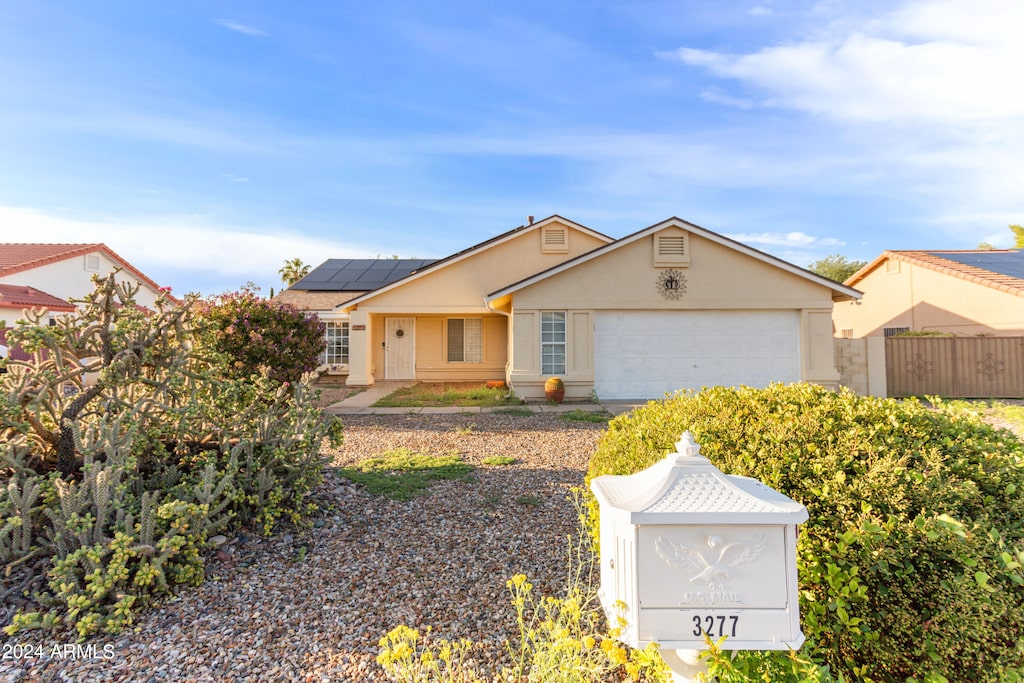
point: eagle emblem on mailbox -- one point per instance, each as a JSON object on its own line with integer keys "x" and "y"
{"x": 713, "y": 565}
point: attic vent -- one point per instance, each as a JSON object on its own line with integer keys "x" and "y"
{"x": 671, "y": 249}
{"x": 674, "y": 245}
{"x": 92, "y": 263}
{"x": 554, "y": 239}
{"x": 892, "y": 266}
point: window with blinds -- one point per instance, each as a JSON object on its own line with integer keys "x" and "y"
{"x": 336, "y": 343}
{"x": 552, "y": 342}
{"x": 465, "y": 340}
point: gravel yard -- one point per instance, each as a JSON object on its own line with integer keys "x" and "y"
{"x": 311, "y": 606}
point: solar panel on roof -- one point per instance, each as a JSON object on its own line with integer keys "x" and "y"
{"x": 358, "y": 275}
{"x": 317, "y": 276}
{"x": 1009, "y": 263}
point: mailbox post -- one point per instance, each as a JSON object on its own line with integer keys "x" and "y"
{"x": 690, "y": 550}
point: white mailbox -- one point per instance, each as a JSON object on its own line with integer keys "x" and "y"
{"x": 691, "y": 550}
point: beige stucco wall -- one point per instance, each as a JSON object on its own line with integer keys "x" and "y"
{"x": 928, "y": 301}
{"x": 460, "y": 287}
{"x": 524, "y": 374}
{"x": 456, "y": 290}
{"x": 68, "y": 279}
{"x": 718, "y": 278}
{"x": 431, "y": 356}
{"x": 861, "y": 365}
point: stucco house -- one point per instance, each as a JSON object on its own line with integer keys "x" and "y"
{"x": 65, "y": 271}
{"x": 14, "y": 299}
{"x": 964, "y": 293}
{"x": 50, "y": 275}
{"x": 672, "y": 306}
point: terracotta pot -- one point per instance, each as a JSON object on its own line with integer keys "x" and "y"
{"x": 554, "y": 389}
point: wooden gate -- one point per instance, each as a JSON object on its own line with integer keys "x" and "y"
{"x": 955, "y": 367}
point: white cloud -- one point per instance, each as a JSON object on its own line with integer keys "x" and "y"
{"x": 241, "y": 28}
{"x": 208, "y": 253}
{"x": 917, "y": 105}
{"x": 210, "y": 130}
{"x": 942, "y": 61}
{"x": 717, "y": 96}
{"x": 787, "y": 240}
{"x": 231, "y": 177}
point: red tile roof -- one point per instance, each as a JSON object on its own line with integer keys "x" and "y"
{"x": 22, "y": 297}
{"x": 16, "y": 258}
{"x": 933, "y": 260}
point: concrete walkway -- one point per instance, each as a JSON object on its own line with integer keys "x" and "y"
{"x": 362, "y": 404}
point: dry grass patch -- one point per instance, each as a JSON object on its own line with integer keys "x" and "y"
{"x": 445, "y": 394}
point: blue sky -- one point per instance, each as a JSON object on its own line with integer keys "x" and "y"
{"x": 207, "y": 142}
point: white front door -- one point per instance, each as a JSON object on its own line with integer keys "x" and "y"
{"x": 399, "y": 348}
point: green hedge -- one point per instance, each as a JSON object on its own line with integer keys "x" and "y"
{"x": 910, "y": 565}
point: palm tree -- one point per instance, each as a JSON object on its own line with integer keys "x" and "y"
{"x": 293, "y": 271}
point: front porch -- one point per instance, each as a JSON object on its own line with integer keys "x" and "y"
{"x": 435, "y": 347}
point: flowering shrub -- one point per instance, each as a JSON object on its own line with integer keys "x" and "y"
{"x": 911, "y": 566}
{"x": 258, "y": 335}
{"x": 123, "y": 445}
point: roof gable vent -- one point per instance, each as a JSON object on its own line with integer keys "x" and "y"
{"x": 671, "y": 248}
{"x": 554, "y": 239}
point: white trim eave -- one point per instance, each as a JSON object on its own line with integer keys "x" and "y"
{"x": 840, "y": 292}
{"x": 472, "y": 251}
{"x": 331, "y": 314}
{"x": 426, "y": 310}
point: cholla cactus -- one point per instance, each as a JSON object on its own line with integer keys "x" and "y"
{"x": 108, "y": 357}
{"x": 124, "y": 443}
{"x": 16, "y": 503}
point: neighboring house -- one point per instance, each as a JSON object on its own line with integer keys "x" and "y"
{"x": 65, "y": 271}
{"x": 964, "y": 293}
{"x": 673, "y": 306}
{"x": 50, "y": 275}
{"x": 14, "y": 299}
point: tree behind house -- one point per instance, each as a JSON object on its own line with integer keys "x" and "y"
{"x": 836, "y": 267}
{"x": 293, "y": 271}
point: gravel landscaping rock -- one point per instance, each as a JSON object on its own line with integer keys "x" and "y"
{"x": 310, "y": 605}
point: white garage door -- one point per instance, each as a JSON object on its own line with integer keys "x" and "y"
{"x": 644, "y": 354}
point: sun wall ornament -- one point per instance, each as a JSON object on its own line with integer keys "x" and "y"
{"x": 671, "y": 284}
